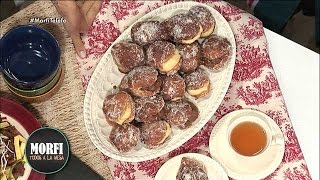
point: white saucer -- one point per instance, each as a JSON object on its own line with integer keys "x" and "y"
{"x": 244, "y": 167}
{"x": 169, "y": 170}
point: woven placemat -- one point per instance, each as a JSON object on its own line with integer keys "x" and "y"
{"x": 64, "y": 109}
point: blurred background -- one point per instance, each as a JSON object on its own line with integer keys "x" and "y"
{"x": 293, "y": 19}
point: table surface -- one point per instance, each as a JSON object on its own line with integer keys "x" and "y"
{"x": 297, "y": 70}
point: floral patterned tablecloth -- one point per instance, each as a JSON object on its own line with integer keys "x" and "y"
{"x": 254, "y": 84}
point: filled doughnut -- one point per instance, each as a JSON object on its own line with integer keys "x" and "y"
{"x": 141, "y": 81}
{"x": 147, "y": 32}
{"x": 190, "y": 57}
{"x": 191, "y": 169}
{"x": 124, "y": 137}
{"x": 215, "y": 50}
{"x": 155, "y": 134}
{"x": 197, "y": 83}
{"x": 181, "y": 114}
{"x": 127, "y": 56}
{"x": 164, "y": 56}
{"x": 148, "y": 108}
{"x": 119, "y": 108}
{"x": 205, "y": 18}
{"x": 183, "y": 28}
{"x": 173, "y": 87}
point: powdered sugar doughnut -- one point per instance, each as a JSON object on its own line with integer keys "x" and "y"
{"x": 206, "y": 19}
{"x": 119, "y": 108}
{"x": 190, "y": 57}
{"x": 155, "y": 134}
{"x": 191, "y": 169}
{"x": 173, "y": 88}
{"x": 144, "y": 33}
{"x": 183, "y": 28}
{"x": 181, "y": 114}
{"x": 148, "y": 108}
{"x": 164, "y": 56}
{"x": 141, "y": 81}
{"x": 216, "y": 50}
{"x": 124, "y": 137}
{"x": 198, "y": 83}
{"x": 127, "y": 56}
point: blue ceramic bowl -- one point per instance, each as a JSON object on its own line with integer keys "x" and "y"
{"x": 30, "y": 57}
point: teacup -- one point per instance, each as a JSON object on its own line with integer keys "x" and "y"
{"x": 250, "y": 135}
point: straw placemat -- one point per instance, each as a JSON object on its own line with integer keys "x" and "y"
{"x": 64, "y": 109}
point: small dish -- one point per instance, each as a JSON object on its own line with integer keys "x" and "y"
{"x": 39, "y": 91}
{"x": 30, "y": 56}
{"x": 247, "y": 167}
{"x": 42, "y": 97}
{"x": 169, "y": 170}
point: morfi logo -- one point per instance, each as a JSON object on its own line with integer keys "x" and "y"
{"x": 47, "y": 150}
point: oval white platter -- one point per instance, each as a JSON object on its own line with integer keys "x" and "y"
{"x": 106, "y": 76}
{"x": 169, "y": 170}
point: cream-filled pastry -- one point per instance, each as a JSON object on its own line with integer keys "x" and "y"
{"x": 124, "y": 137}
{"x": 148, "y": 108}
{"x": 183, "y": 28}
{"x": 141, "y": 81}
{"x": 173, "y": 87}
{"x": 155, "y": 134}
{"x": 216, "y": 51}
{"x": 190, "y": 57}
{"x": 127, "y": 56}
{"x": 181, "y": 113}
{"x": 119, "y": 108}
{"x": 164, "y": 56}
{"x": 198, "y": 83}
{"x": 205, "y": 18}
{"x": 147, "y": 32}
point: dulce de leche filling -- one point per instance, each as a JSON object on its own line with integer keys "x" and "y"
{"x": 195, "y": 92}
{"x": 168, "y": 132}
{"x": 208, "y": 32}
{"x": 190, "y": 41}
{"x": 171, "y": 63}
{"x": 126, "y": 114}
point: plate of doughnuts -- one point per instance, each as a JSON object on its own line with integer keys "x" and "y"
{"x": 160, "y": 82}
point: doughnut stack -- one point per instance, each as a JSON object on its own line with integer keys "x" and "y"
{"x": 161, "y": 64}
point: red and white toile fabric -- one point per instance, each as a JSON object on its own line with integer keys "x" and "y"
{"x": 254, "y": 84}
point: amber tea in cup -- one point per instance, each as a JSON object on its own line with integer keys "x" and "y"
{"x": 248, "y": 138}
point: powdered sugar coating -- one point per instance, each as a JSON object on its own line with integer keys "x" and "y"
{"x": 148, "y": 108}
{"x": 191, "y": 169}
{"x": 216, "y": 50}
{"x": 127, "y": 56}
{"x": 190, "y": 55}
{"x": 182, "y": 27}
{"x": 159, "y": 52}
{"x": 181, "y": 114}
{"x": 124, "y": 137}
{"x": 144, "y": 33}
{"x": 115, "y": 105}
{"x": 152, "y": 134}
{"x": 141, "y": 81}
{"x": 197, "y": 79}
{"x": 173, "y": 87}
{"x": 202, "y": 15}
